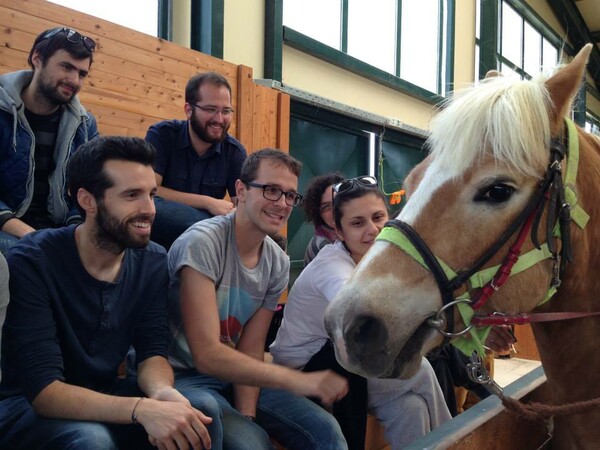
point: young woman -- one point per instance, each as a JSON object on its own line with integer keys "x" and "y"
{"x": 407, "y": 408}
{"x": 318, "y": 209}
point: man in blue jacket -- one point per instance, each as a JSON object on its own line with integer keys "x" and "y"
{"x": 42, "y": 123}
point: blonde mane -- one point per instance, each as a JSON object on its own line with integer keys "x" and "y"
{"x": 503, "y": 118}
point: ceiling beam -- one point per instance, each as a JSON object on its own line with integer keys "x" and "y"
{"x": 578, "y": 33}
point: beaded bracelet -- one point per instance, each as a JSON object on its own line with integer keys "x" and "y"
{"x": 134, "y": 412}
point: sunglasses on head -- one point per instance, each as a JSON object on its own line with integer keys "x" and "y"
{"x": 74, "y": 37}
{"x": 347, "y": 185}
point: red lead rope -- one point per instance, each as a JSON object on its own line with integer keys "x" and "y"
{"x": 523, "y": 318}
{"x": 505, "y": 269}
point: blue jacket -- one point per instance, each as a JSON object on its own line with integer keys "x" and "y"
{"x": 17, "y": 146}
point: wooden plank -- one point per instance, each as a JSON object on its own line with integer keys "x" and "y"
{"x": 283, "y": 122}
{"x": 525, "y": 345}
{"x": 245, "y": 99}
{"x": 264, "y": 117}
{"x": 464, "y": 431}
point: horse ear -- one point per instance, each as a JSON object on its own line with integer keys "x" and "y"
{"x": 563, "y": 86}
{"x": 493, "y": 74}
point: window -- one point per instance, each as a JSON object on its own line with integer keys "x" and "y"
{"x": 592, "y": 124}
{"x": 140, "y": 15}
{"x": 525, "y": 45}
{"x": 407, "y": 39}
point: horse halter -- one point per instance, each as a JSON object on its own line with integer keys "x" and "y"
{"x": 561, "y": 202}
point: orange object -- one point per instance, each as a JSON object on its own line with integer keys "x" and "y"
{"x": 396, "y": 197}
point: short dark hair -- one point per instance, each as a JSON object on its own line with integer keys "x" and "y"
{"x": 192, "y": 88}
{"x": 357, "y": 191}
{"x": 314, "y": 192}
{"x": 46, "y": 47}
{"x": 85, "y": 168}
{"x": 252, "y": 163}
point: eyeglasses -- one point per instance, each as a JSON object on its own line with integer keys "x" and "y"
{"x": 73, "y": 37}
{"x": 346, "y": 185}
{"x": 273, "y": 193}
{"x": 213, "y": 110}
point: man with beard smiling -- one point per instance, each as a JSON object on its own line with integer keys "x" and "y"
{"x": 197, "y": 161}
{"x": 42, "y": 123}
{"x": 80, "y": 297}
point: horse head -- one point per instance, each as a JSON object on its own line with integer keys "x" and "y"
{"x": 490, "y": 148}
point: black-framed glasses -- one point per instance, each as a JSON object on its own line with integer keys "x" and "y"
{"x": 273, "y": 193}
{"x": 346, "y": 185}
{"x": 74, "y": 37}
{"x": 213, "y": 110}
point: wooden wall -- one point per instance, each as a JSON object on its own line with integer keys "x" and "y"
{"x": 137, "y": 80}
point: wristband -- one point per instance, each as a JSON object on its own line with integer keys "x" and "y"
{"x": 251, "y": 418}
{"x": 134, "y": 412}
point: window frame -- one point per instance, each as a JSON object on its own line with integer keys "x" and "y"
{"x": 276, "y": 34}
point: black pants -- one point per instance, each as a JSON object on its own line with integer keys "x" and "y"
{"x": 351, "y": 411}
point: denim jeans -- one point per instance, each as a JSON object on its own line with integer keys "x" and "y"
{"x": 22, "y": 429}
{"x": 172, "y": 219}
{"x": 295, "y": 422}
{"x": 7, "y": 240}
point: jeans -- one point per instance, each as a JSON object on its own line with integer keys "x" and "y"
{"x": 172, "y": 219}
{"x": 22, "y": 429}
{"x": 7, "y": 240}
{"x": 294, "y": 422}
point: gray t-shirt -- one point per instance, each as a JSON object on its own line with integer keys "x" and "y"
{"x": 210, "y": 248}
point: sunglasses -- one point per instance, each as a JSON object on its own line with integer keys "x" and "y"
{"x": 347, "y": 185}
{"x": 74, "y": 37}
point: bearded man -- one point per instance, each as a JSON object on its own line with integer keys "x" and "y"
{"x": 197, "y": 161}
{"x": 42, "y": 123}
{"x": 80, "y": 297}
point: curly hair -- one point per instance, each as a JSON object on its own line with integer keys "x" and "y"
{"x": 314, "y": 192}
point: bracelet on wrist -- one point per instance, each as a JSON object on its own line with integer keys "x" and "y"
{"x": 134, "y": 411}
{"x": 251, "y": 418}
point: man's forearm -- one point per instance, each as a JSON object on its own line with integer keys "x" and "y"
{"x": 194, "y": 200}
{"x": 17, "y": 227}
{"x": 154, "y": 376}
{"x": 60, "y": 400}
{"x": 245, "y": 397}
{"x": 226, "y": 363}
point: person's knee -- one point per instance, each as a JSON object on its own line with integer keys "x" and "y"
{"x": 88, "y": 435}
{"x": 206, "y": 404}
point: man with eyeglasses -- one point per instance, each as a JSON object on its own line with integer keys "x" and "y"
{"x": 197, "y": 160}
{"x": 227, "y": 276}
{"x": 42, "y": 123}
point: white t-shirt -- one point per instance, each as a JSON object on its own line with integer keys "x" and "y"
{"x": 302, "y": 332}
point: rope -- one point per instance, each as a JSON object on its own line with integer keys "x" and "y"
{"x": 539, "y": 411}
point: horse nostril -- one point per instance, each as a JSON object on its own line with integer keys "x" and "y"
{"x": 366, "y": 334}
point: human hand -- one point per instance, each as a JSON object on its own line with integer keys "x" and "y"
{"x": 501, "y": 339}
{"x": 327, "y": 385}
{"x": 173, "y": 425}
{"x": 218, "y": 207}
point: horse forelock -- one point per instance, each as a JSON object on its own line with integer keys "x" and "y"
{"x": 504, "y": 118}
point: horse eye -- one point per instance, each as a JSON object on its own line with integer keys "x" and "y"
{"x": 497, "y": 193}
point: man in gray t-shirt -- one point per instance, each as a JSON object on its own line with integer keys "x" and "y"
{"x": 227, "y": 276}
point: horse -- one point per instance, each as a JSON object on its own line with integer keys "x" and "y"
{"x": 501, "y": 222}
